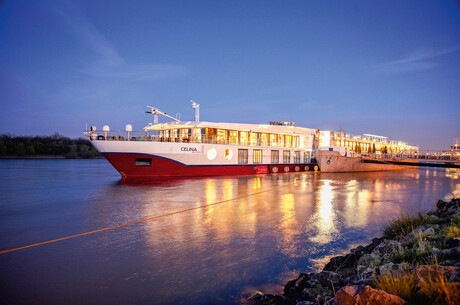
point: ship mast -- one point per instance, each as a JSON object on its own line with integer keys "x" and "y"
{"x": 156, "y": 112}
{"x": 197, "y": 110}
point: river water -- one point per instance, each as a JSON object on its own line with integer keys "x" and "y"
{"x": 193, "y": 241}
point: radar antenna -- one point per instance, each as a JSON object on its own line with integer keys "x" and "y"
{"x": 156, "y": 112}
{"x": 197, "y": 110}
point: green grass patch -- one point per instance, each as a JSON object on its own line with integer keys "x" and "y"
{"x": 451, "y": 232}
{"x": 404, "y": 224}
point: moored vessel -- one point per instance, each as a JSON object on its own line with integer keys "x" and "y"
{"x": 332, "y": 161}
{"x": 195, "y": 148}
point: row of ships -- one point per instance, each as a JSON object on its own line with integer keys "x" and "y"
{"x": 196, "y": 148}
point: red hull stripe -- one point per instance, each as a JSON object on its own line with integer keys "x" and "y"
{"x": 124, "y": 163}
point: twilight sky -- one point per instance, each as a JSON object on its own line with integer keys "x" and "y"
{"x": 390, "y": 68}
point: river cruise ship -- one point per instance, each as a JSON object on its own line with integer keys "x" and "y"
{"x": 195, "y": 148}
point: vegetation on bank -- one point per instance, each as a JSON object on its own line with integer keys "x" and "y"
{"x": 430, "y": 251}
{"x": 417, "y": 261}
{"x": 55, "y": 145}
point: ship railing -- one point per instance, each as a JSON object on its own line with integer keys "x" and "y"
{"x": 146, "y": 136}
{"x": 441, "y": 155}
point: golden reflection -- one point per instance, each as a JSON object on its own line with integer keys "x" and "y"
{"x": 256, "y": 183}
{"x": 288, "y": 226}
{"x": 325, "y": 216}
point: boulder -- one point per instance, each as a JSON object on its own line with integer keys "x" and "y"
{"x": 365, "y": 295}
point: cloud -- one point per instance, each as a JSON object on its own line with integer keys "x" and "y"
{"x": 417, "y": 61}
{"x": 110, "y": 64}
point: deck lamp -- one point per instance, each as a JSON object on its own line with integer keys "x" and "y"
{"x": 128, "y": 129}
{"x": 105, "y": 129}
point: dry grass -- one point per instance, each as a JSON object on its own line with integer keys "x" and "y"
{"x": 403, "y": 285}
{"x": 439, "y": 290}
{"x": 429, "y": 286}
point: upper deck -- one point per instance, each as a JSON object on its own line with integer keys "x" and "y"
{"x": 216, "y": 133}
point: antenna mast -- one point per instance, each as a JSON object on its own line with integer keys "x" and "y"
{"x": 197, "y": 110}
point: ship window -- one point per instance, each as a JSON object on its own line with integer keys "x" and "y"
{"x": 275, "y": 156}
{"x": 257, "y": 156}
{"x": 242, "y": 156}
{"x": 306, "y": 157}
{"x": 143, "y": 162}
{"x": 297, "y": 157}
{"x": 286, "y": 156}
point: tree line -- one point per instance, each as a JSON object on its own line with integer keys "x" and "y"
{"x": 55, "y": 145}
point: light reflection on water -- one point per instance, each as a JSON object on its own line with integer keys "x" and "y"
{"x": 212, "y": 241}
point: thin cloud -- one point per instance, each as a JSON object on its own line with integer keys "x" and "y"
{"x": 417, "y": 61}
{"x": 110, "y": 64}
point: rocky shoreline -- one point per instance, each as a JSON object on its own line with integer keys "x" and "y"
{"x": 417, "y": 261}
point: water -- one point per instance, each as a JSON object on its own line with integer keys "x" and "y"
{"x": 199, "y": 241}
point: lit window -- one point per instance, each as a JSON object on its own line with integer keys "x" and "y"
{"x": 257, "y": 156}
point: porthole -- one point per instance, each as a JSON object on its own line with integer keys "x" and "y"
{"x": 328, "y": 162}
{"x": 306, "y": 167}
{"x": 275, "y": 169}
{"x": 286, "y": 168}
{"x": 316, "y": 168}
{"x": 212, "y": 153}
{"x": 297, "y": 168}
{"x": 228, "y": 154}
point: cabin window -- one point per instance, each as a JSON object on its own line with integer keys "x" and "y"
{"x": 297, "y": 157}
{"x": 222, "y": 136}
{"x": 275, "y": 154}
{"x": 254, "y": 138}
{"x": 257, "y": 156}
{"x": 306, "y": 157}
{"x": 244, "y": 138}
{"x": 264, "y": 139}
{"x": 287, "y": 141}
{"x": 143, "y": 162}
{"x": 242, "y": 156}
{"x": 286, "y": 156}
{"x": 273, "y": 140}
{"x": 233, "y": 135}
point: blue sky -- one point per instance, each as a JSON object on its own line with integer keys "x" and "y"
{"x": 389, "y": 68}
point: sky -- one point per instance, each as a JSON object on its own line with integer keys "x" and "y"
{"x": 390, "y": 68}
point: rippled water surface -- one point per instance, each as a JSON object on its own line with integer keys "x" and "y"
{"x": 192, "y": 241}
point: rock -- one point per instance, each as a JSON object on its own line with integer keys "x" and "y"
{"x": 454, "y": 243}
{"x": 345, "y": 265}
{"x": 433, "y": 219}
{"x": 441, "y": 205}
{"x": 386, "y": 250}
{"x": 428, "y": 231}
{"x": 365, "y": 295}
{"x": 385, "y": 269}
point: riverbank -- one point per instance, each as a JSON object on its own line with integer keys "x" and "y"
{"x": 55, "y": 146}
{"x": 417, "y": 261}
